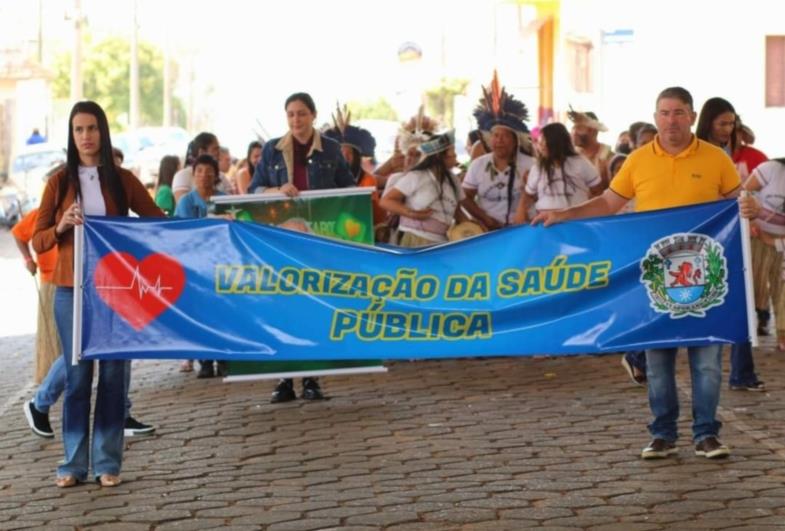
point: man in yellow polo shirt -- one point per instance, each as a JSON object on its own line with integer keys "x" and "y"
{"x": 676, "y": 169}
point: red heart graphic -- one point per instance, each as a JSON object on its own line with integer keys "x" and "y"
{"x": 139, "y": 291}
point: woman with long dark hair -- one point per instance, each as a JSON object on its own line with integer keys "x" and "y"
{"x": 426, "y": 197}
{"x": 717, "y": 124}
{"x": 560, "y": 177}
{"x": 252, "y": 157}
{"x": 164, "y": 198}
{"x": 92, "y": 185}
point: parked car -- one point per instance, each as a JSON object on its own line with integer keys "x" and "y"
{"x": 144, "y": 148}
{"x": 29, "y": 167}
{"x": 10, "y": 207}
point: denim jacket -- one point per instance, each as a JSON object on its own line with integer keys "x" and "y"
{"x": 326, "y": 166}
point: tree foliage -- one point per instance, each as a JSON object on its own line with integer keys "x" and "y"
{"x": 440, "y": 100}
{"x": 106, "y": 67}
{"x": 378, "y": 110}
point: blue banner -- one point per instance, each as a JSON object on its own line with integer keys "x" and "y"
{"x": 218, "y": 289}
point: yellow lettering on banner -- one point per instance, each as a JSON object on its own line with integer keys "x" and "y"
{"x": 557, "y": 277}
{"x": 369, "y": 325}
{"x": 407, "y": 285}
{"x": 468, "y": 287}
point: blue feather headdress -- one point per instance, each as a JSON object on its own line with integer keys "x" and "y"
{"x": 344, "y": 133}
{"x": 496, "y": 107}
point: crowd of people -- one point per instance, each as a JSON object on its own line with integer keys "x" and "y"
{"x": 515, "y": 176}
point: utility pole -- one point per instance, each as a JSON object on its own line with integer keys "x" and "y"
{"x": 40, "y": 50}
{"x": 133, "y": 112}
{"x": 76, "y": 58}
{"x": 167, "y": 121}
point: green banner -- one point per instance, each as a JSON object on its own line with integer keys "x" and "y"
{"x": 344, "y": 217}
{"x": 343, "y": 214}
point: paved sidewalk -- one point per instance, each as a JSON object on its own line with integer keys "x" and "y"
{"x": 543, "y": 443}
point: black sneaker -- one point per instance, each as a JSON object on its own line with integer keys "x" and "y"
{"x": 635, "y": 374}
{"x": 284, "y": 392}
{"x": 134, "y": 427}
{"x": 711, "y": 448}
{"x": 205, "y": 370}
{"x": 658, "y": 449}
{"x": 755, "y": 386}
{"x": 38, "y": 422}
{"x": 311, "y": 389}
{"x": 220, "y": 369}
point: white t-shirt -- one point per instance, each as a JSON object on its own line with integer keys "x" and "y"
{"x": 493, "y": 188}
{"x": 93, "y": 203}
{"x": 581, "y": 175}
{"x": 422, "y": 191}
{"x": 183, "y": 181}
{"x": 391, "y": 180}
{"x": 771, "y": 176}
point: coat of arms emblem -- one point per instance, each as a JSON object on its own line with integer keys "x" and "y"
{"x": 685, "y": 275}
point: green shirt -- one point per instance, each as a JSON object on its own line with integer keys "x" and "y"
{"x": 164, "y": 198}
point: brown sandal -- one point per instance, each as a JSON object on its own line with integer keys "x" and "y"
{"x": 63, "y": 482}
{"x": 109, "y": 480}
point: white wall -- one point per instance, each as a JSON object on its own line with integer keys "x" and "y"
{"x": 710, "y": 48}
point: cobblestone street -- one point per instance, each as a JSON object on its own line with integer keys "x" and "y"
{"x": 477, "y": 444}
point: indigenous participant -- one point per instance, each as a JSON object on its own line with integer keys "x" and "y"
{"x": 482, "y": 135}
{"x": 412, "y": 134}
{"x": 91, "y": 184}
{"x": 418, "y": 129}
{"x": 560, "y": 178}
{"x": 357, "y": 143}
{"x": 426, "y": 197}
{"x": 303, "y": 159}
{"x": 648, "y": 176}
{"x": 494, "y": 181}
{"x": 586, "y": 126}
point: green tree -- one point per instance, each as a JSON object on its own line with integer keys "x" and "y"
{"x": 378, "y": 110}
{"x": 106, "y": 70}
{"x": 440, "y": 100}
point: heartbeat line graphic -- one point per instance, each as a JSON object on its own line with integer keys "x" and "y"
{"x": 141, "y": 285}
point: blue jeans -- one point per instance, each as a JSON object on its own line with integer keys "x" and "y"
{"x": 742, "y": 368}
{"x": 706, "y": 376}
{"x": 108, "y": 421}
{"x": 54, "y": 383}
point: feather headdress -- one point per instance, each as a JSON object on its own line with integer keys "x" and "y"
{"x": 418, "y": 129}
{"x": 344, "y": 133}
{"x": 497, "y": 107}
{"x": 587, "y": 118}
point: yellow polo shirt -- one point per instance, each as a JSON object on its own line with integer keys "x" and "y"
{"x": 656, "y": 179}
